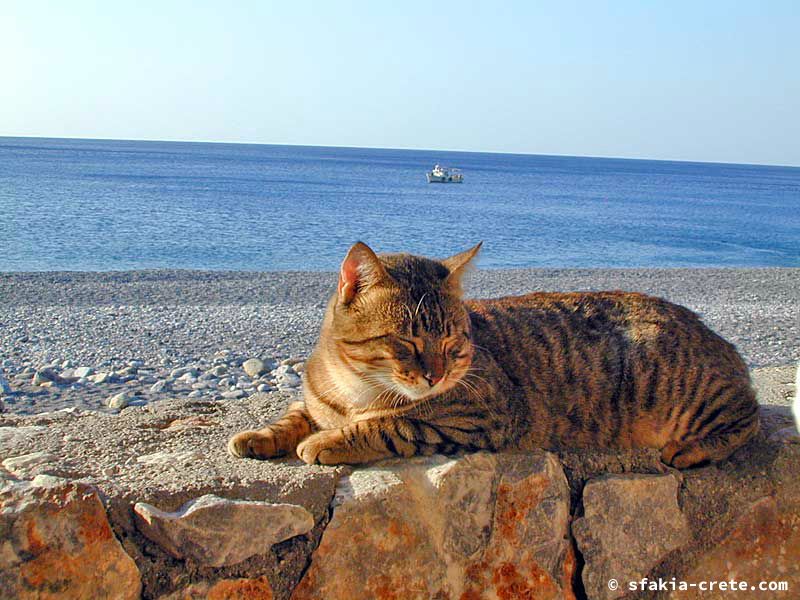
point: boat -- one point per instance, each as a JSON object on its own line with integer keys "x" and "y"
{"x": 440, "y": 174}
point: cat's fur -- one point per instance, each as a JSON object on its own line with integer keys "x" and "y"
{"x": 403, "y": 366}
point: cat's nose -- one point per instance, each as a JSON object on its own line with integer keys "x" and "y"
{"x": 432, "y": 379}
{"x": 432, "y": 368}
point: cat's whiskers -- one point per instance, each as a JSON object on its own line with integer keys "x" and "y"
{"x": 344, "y": 396}
{"x": 373, "y": 382}
{"x": 410, "y": 314}
{"x": 419, "y": 304}
{"x": 334, "y": 387}
{"x": 397, "y": 398}
{"x": 396, "y": 395}
{"x": 471, "y": 373}
{"x": 474, "y": 393}
{"x": 474, "y": 389}
{"x": 392, "y": 401}
{"x": 371, "y": 387}
{"x": 474, "y": 345}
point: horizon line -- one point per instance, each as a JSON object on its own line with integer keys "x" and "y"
{"x": 402, "y": 148}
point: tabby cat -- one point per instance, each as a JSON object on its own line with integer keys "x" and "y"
{"x": 404, "y": 366}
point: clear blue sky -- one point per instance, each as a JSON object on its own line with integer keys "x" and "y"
{"x": 709, "y": 80}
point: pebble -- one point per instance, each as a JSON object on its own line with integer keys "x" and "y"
{"x": 290, "y": 380}
{"x": 43, "y": 376}
{"x": 181, "y": 371}
{"x": 83, "y": 372}
{"x": 254, "y": 367}
{"x": 263, "y": 388}
{"x": 219, "y": 371}
{"x": 159, "y": 386}
{"x": 103, "y": 377}
{"x": 119, "y": 401}
{"x": 5, "y": 387}
{"x": 233, "y": 394}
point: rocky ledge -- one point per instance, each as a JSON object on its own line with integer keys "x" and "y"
{"x": 146, "y": 503}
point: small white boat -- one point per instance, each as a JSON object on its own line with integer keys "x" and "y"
{"x": 440, "y": 174}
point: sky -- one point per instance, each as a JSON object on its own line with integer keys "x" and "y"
{"x": 714, "y": 81}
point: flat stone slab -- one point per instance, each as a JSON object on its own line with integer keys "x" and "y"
{"x": 482, "y": 525}
{"x": 57, "y": 543}
{"x": 257, "y": 588}
{"x": 217, "y": 532}
{"x": 630, "y": 523}
{"x": 27, "y": 465}
{"x": 762, "y": 546}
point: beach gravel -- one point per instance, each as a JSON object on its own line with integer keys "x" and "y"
{"x": 77, "y": 339}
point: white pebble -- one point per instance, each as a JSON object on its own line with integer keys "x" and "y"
{"x": 83, "y": 372}
{"x": 119, "y": 401}
{"x": 254, "y": 367}
{"x": 158, "y": 387}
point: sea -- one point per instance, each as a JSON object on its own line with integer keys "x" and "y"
{"x": 103, "y": 205}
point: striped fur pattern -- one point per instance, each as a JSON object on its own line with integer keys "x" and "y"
{"x": 405, "y": 367}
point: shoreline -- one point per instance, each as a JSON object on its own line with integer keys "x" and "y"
{"x": 143, "y": 327}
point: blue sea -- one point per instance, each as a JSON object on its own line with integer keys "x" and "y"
{"x": 96, "y": 205}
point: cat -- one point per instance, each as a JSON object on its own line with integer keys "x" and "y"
{"x": 405, "y": 367}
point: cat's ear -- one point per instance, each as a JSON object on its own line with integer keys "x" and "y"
{"x": 459, "y": 264}
{"x": 360, "y": 269}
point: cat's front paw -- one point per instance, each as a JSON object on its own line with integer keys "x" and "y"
{"x": 254, "y": 444}
{"x": 325, "y": 448}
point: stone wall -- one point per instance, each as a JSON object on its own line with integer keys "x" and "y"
{"x": 147, "y": 504}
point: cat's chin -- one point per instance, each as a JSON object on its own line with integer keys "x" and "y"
{"x": 412, "y": 396}
{"x": 418, "y": 395}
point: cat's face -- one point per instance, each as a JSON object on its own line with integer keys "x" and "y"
{"x": 400, "y": 326}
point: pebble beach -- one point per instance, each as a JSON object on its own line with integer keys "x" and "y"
{"x": 105, "y": 341}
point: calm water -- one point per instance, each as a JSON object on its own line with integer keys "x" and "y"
{"x": 108, "y": 205}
